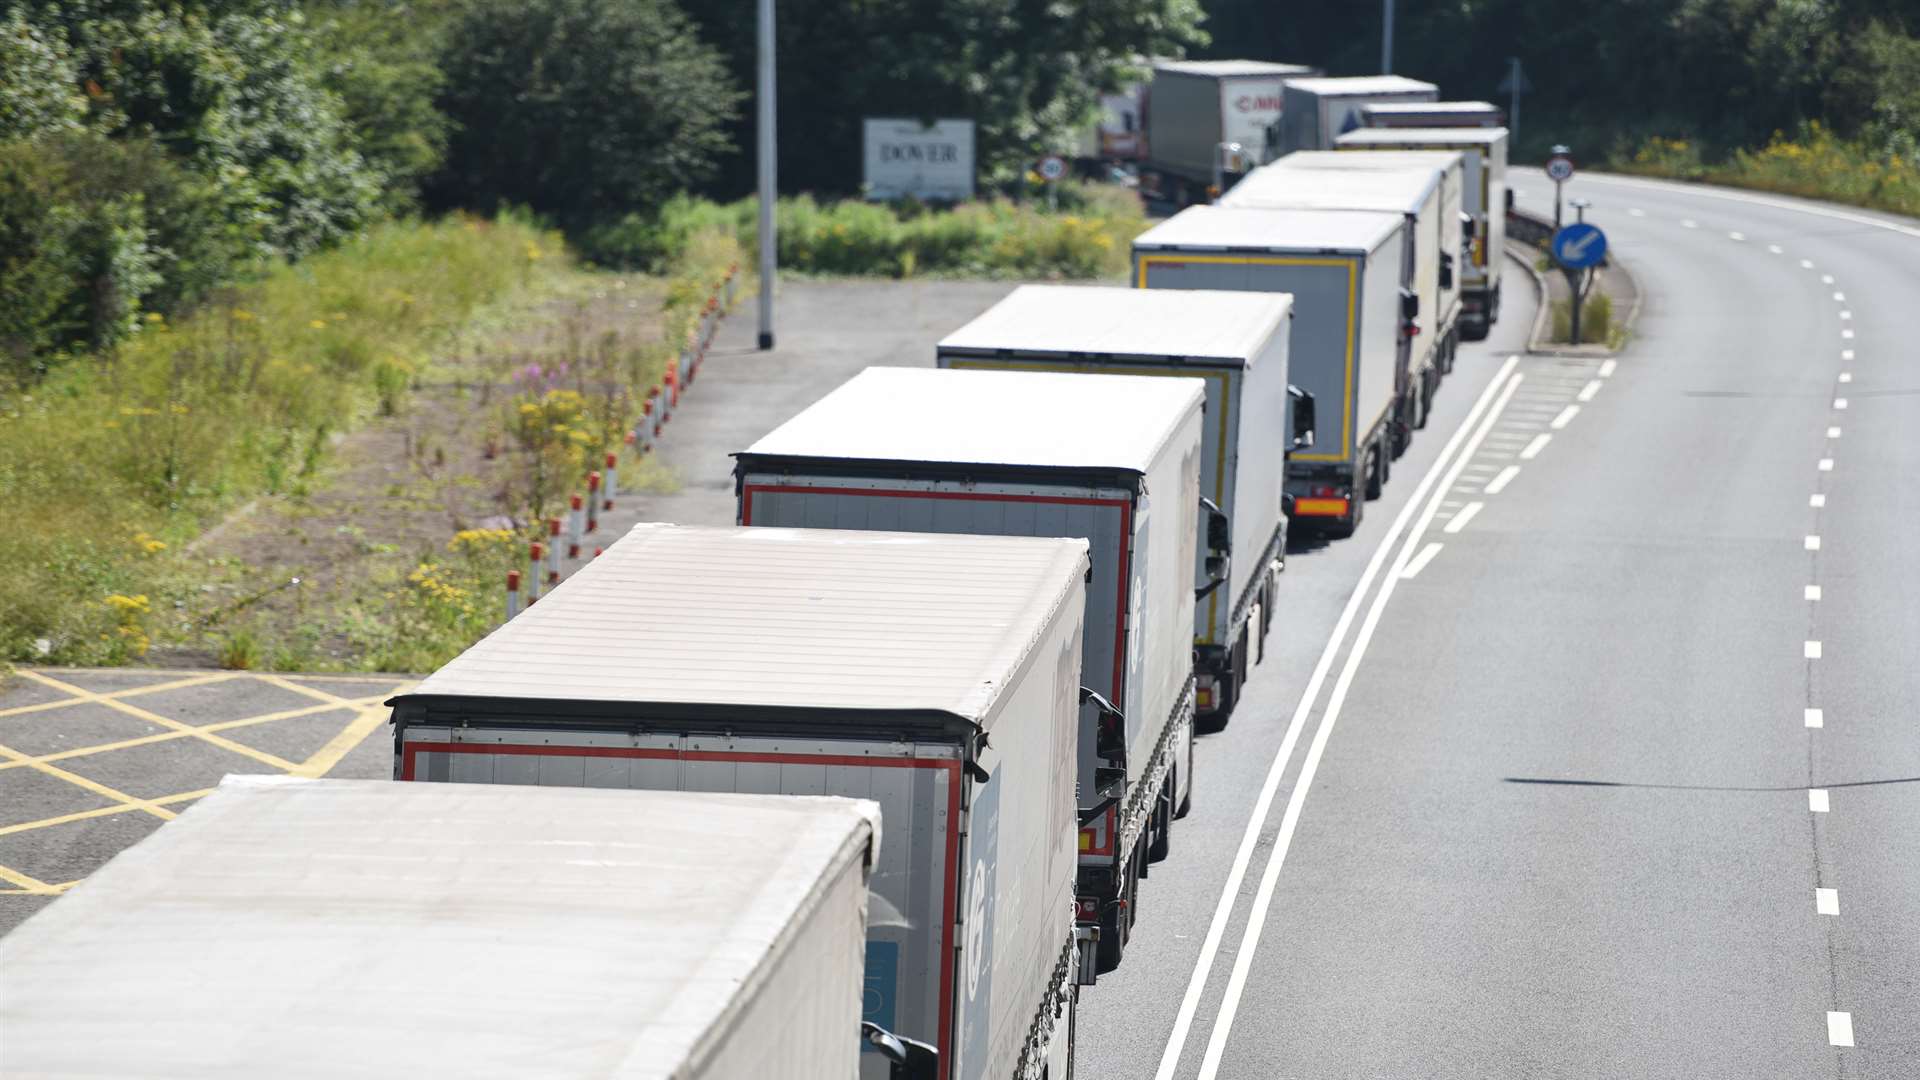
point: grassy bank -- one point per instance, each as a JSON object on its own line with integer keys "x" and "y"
{"x": 1088, "y": 236}
{"x": 1814, "y": 164}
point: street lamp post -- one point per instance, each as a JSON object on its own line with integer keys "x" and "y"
{"x": 1386, "y": 38}
{"x": 766, "y": 163}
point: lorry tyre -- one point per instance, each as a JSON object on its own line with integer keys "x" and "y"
{"x": 1113, "y": 942}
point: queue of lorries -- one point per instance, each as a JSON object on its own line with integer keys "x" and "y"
{"x": 870, "y": 783}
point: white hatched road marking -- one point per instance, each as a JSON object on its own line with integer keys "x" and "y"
{"x": 1465, "y": 515}
{"x": 1421, "y": 560}
{"x": 1566, "y": 417}
{"x": 1538, "y": 444}
{"x": 1499, "y": 483}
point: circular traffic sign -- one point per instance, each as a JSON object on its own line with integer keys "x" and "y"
{"x": 1579, "y": 245}
{"x": 1052, "y": 168}
{"x": 1559, "y": 168}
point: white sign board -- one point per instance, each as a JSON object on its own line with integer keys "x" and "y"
{"x": 908, "y": 159}
{"x": 1247, "y": 108}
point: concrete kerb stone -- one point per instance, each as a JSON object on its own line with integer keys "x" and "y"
{"x": 1537, "y": 340}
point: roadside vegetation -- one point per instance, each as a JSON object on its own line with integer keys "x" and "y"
{"x": 1815, "y": 164}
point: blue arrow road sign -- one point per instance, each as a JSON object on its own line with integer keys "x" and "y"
{"x": 1579, "y": 245}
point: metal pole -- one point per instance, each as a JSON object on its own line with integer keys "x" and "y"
{"x": 1386, "y": 38}
{"x": 1579, "y": 282}
{"x": 1513, "y": 114}
{"x": 1557, "y": 185}
{"x": 767, "y": 196}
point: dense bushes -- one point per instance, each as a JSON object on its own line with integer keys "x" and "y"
{"x": 1816, "y": 164}
{"x": 998, "y": 238}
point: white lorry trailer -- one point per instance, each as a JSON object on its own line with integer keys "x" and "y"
{"x": 1427, "y": 192}
{"x": 1319, "y": 110}
{"x": 1429, "y": 114}
{"x": 1484, "y": 152}
{"x": 1237, "y": 342}
{"x": 319, "y": 928}
{"x": 1193, "y": 107}
{"x": 1113, "y": 460}
{"x": 937, "y": 676}
{"x": 1351, "y": 318}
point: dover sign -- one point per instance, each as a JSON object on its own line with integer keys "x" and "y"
{"x": 905, "y": 158}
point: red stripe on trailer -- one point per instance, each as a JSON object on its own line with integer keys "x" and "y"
{"x": 1125, "y": 506}
{"x": 949, "y": 890}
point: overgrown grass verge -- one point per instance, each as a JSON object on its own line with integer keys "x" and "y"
{"x": 1596, "y": 321}
{"x": 1089, "y": 236}
{"x": 1814, "y": 164}
{"x": 108, "y": 468}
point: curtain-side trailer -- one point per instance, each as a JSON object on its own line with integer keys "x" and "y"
{"x": 1237, "y": 343}
{"x": 1320, "y": 110}
{"x": 1194, "y": 106}
{"x": 1113, "y": 460}
{"x": 937, "y": 676}
{"x": 1429, "y": 196}
{"x": 318, "y": 928}
{"x": 1484, "y": 151}
{"x": 1433, "y": 114}
{"x": 1351, "y": 315}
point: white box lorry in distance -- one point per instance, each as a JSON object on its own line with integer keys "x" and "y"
{"x": 320, "y": 928}
{"x": 1318, "y": 111}
{"x": 1345, "y": 270}
{"x": 935, "y": 675}
{"x": 1235, "y": 341}
{"x": 1484, "y": 151}
{"x": 1193, "y": 106}
{"x": 1114, "y": 460}
{"x": 1432, "y": 114}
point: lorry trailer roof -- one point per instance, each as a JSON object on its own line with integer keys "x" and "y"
{"x": 1015, "y": 418}
{"x": 1363, "y": 84}
{"x": 1229, "y": 228}
{"x": 1352, "y": 185}
{"x": 762, "y": 618}
{"x": 1429, "y": 108}
{"x": 1434, "y": 136}
{"x": 373, "y": 928}
{"x": 1231, "y": 68}
{"x": 1108, "y": 321}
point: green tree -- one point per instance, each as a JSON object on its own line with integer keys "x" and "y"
{"x": 582, "y": 109}
{"x": 38, "y": 91}
{"x": 381, "y": 59}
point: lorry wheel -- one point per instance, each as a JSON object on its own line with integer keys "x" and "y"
{"x": 1377, "y": 471}
{"x": 1112, "y": 946}
{"x": 1428, "y": 386}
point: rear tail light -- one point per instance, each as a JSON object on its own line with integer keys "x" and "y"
{"x": 1203, "y": 691}
{"x": 1086, "y": 909}
{"x": 1096, "y": 837}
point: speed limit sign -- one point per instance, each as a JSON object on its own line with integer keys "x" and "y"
{"x": 1052, "y": 168}
{"x": 1559, "y": 168}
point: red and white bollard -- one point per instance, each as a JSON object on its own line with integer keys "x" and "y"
{"x": 593, "y": 501}
{"x": 649, "y": 421}
{"x": 513, "y": 593}
{"x": 553, "y": 551}
{"x": 610, "y": 479}
{"x": 576, "y": 522}
{"x": 536, "y": 557}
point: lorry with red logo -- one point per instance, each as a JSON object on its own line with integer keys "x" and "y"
{"x": 1195, "y": 108}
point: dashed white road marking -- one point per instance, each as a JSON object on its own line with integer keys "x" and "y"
{"x": 1813, "y": 592}
{"x": 1839, "y": 296}
{"x": 1840, "y": 1029}
{"x": 1826, "y": 464}
{"x": 1607, "y": 368}
{"x": 1839, "y": 403}
{"x": 1846, "y": 354}
{"x": 1846, "y": 335}
{"x": 1833, "y": 433}
{"x": 1813, "y": 543}
{"x": 1846, "y": 376}
{"x": 1566, "y": 417}
{"x": 1846, "y": 314}
{"x": 1634, "y": 211}
{"x": 1817, "y": 800}
{"x": 1689, "y": 223}
{"x": 1806, "y": 264}
{"x": 1465, "y": 515}
{"x": 1811, "y": 651}
{"x": 1499, "y": 483}
{"x": 1533, "y": 448}
{"x": 1421, "y": 560}
{"x": 1826, "y": 279}
{"x": 1826, "y": 901}
{"x": 1816, "y": 501}
{"x": 1776, "y": 249}
{"x": 1587, "y": 391}
{"x": 1815, "y": 718}
{"x": 1736, "y": 236}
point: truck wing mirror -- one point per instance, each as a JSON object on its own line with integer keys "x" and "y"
{"x": 910, "y": 1058}
{"x": 1110, "y": 732}
{"x": 1219, "y": 529}
{"x": 1409, "y": 305}
{"x": 1509, "y": 200}
{"x": 1467, "y": 230}
{"x": 1446, "y": 269}
{"x": 1303, "y": 418}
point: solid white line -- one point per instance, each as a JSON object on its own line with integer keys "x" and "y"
{"x": 1833, "y": 433}
{"x": 1499, "y": 483}
{"x": 1533, "y": 448}
{"x": 1566, "y": 417}
{"x": 1813, "y": 592}
{"x": 1811, "y": 650}
{"x": 1256, "y": 822}
{"x": 1826, "y": 901}
{"x": 1839, "y": 403}
{"x": 1421, "y": 560}
{"x": 1465, "y": 515}
{"x": 1826, "y": 464}
{"x": 1290, "y": 819}
{"x": 1587, "y": 391}
{"x": 1840, "y": 1029}
{"x": 1817, "y": 800}
{"x": 1813, "y": 543}
{"x": 1607, "y": 368}
{"x": 1736, "y": 236}
{"x": 1816, "y": 718}
{"x": 1816, "y": 501}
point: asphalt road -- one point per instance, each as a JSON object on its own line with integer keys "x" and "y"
{"x": 1600, "y": 785}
